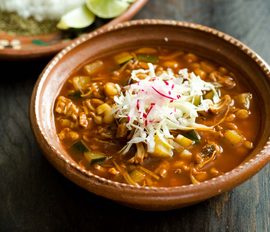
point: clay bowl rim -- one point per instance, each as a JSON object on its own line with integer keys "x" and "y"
{"x": 12, "y": 54}
{"x": 186, "y": 193}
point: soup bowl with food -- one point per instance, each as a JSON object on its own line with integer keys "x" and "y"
{"x": 155, "y": 114}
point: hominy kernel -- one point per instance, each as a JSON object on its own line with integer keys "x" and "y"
{"x": 73, "y": 135}
{"x": 214, "y": 171}
{"x": 223, "y": 70}
{"x": 99, "y": 168}
{"x": 200, "y": 72}
{"x": 213, "y": 76}
{"x": 230, "y": 118}
{"x": 163, "y": 173}
{"x": 207, "y": 66}
{"x": 171, "y": 64}
{"x": 231, "y": 125}
{"x": 248, "y": 144}
{"x": 190, "y": 58}
{"x": 242, "y": 114}
{"x": 113, "y": 171}
{"x": 98, "y": 119}
{"x": 110, "y": 89}
{"x": 96, "y": 102}
{"x": 202, "y": 176}
{"x": 194, "y": 66}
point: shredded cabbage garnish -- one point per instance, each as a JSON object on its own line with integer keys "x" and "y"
{"x": 162, "y": 102}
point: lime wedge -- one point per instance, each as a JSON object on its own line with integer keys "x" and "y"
{"x": 107, "y": 8}
{"x": 77, "y": 18}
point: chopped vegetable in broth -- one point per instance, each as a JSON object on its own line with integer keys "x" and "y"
{"x": 156, "y": 117}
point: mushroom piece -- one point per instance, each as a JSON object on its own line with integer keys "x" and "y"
{"x": 207, "y": 154}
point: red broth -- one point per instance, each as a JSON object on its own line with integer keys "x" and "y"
{"x": 94, "y": 139}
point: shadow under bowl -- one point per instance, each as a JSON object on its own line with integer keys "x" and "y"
{"x": 193, "y": 37}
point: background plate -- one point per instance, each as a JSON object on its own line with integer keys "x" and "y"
{"x": 50, "y": 44}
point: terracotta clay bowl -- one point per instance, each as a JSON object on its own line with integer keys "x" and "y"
{"x": 193, "y": 37}
{"x": 49, "y": 44}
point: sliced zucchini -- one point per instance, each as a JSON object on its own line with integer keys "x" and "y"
{"x": 193, "y": 135}
{"x": 196, "y": 100}
{"x": 93, "y": 157}
{"x": 137, "y": 176}
{"x": 75, "y": 95}
{"x": 92, "y": 68}
{"x": 233, "y": 137}
{"x": 162, "y": 147}
{"x": 186, "y": 155}
{"x": 209, "y": 95}
{"x": 123, "y": 57}
{"x": 184, "y": 141}
{"x": 80, "y": 83}
{"x": 147, "y": 58}
{"x": 80, "y": 146}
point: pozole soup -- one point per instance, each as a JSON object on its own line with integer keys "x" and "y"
{"x": 156, "y": 117}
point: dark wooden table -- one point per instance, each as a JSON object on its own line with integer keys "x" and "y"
{"x": 35, "y": 197}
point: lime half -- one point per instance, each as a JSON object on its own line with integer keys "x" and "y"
{"x": 78, "y": 18}
{"x": 108, "y": 8}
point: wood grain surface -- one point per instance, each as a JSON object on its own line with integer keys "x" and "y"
{"x": 35, "y": 197}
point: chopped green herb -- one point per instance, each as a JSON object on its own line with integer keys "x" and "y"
{"x": 13, "y": 23}
{"x": 39, "y": 42}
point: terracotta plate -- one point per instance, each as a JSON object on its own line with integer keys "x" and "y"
{"x": 205, "y": 41}
{"x": 26, "y": 47}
